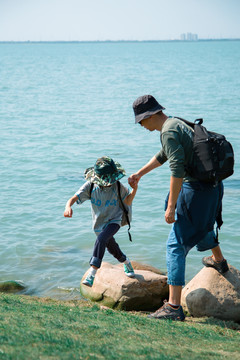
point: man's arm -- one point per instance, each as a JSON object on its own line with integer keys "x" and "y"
{"x": 68, "y": 210}
{"x": 175, "y": 187}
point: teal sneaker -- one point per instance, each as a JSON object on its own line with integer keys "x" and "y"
{"x": 89, "y": 280}
{"x": 128, "y": 269}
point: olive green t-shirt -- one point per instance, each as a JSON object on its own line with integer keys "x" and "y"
{"x": 177, "y": 142}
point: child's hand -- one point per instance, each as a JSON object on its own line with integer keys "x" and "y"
{"x": 68, "y": 212}
{"x": 134, "y": 185}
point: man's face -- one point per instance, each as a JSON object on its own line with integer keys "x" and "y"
{"x": 148, "y": 123}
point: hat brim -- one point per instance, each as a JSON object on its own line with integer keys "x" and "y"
{"x": 91, "y": 176}
{"x": 148, "y": 113}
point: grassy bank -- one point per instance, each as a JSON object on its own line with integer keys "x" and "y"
{"x": 33, "y": 328}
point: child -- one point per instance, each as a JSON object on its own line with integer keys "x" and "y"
{"x": 106, "y": 211}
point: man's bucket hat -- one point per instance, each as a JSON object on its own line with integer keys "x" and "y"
{"x": 105, "y": 172}
{"x": 145, "y": 106}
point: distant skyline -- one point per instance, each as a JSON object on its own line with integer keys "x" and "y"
{"x": 78, "y": 20}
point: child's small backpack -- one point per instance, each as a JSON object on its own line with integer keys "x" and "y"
{"x": 127, "y": 211}
{"x": 213, "y": 156}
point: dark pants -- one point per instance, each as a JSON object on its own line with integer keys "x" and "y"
{"x": 106, "y": 240}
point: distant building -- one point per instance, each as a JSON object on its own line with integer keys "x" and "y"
{"x": 189, "y": 37}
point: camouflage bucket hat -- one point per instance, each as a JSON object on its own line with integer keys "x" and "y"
{"x": 105, "y": 172}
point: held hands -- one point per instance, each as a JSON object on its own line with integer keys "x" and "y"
{"x": 133, "y": 180}
{"x": 68, "y": 212}
{"x": 134, "y": 185}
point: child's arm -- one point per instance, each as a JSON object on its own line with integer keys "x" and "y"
{"x": 68, "y": 210}
{"x": 129, "y": 199}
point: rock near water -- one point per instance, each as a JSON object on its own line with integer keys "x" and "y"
{"x": 11, "y": 286}
{"x": 114, "y": 289}
{"x": 212, "y": 294}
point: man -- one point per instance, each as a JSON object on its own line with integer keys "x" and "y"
{"x": 192, "y": 207}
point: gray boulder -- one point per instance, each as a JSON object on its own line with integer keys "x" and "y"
{"x": 112, "y": 288}
{"x": 212, "y": 294}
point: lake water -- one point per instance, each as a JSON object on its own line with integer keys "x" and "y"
{"x": 63, "y": 105}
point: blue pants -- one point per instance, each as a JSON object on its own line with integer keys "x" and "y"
{"x": 106, "y": 240}
{"x": 197, "y": 208}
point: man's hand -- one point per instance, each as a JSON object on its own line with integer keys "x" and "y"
{"x": 175, "y": 187}
{"x": 68, "y": 212}
{"x": 170, "y": 215}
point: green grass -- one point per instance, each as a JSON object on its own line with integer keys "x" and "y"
{"x": 33, "y": 328}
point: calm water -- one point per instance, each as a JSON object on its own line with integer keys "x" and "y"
{"x": 64, "y": 105}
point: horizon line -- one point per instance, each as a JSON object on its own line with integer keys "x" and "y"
{"x": 94, "y": 41}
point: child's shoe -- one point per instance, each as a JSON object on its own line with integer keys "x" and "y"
{"x": 89, "y": 280}
{"x": 128, "y": 269}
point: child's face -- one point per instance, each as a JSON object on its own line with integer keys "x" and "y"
{"x": 107, "y": 186}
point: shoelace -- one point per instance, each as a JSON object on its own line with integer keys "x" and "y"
{"x": 163, "y": 308}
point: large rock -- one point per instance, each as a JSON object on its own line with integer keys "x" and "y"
{"x": 212, "y": 294}
{"x": 114, "y": 289}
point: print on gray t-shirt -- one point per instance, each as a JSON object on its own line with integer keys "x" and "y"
{"x": 105, "y": 204}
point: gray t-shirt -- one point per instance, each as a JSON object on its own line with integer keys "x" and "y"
{"x": 105, "y": 204}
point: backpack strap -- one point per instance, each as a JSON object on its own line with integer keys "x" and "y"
{"x": 189, "y": 123}
{"x": 124, "y": 210}
{"x": 219, "y": 219}
{"x": 91, "y": 189}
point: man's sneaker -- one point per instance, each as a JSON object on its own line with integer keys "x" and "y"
{"x": 128, "y": 269}
{"x": 89, "y": 280}
{"x": 166, "y": 312}
{"x": 221, "y": 266}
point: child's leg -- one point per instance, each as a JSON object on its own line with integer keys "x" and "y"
{"x": 106, "y": 239}
{"x": 90, "y": 276}
{"x": 115, "y": 250}
{"x": 101, "y": 243}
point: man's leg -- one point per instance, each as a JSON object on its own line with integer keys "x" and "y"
{"x": 175, "y": 295}
{"x": 217, "y": 254}
{"x": 217, "y": 260}
{"x": 176, "y": 257}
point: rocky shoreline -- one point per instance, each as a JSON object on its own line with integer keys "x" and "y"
{"x": 208, "y": 294}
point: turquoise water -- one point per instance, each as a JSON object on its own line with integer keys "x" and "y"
{"x": 63, "y": 105}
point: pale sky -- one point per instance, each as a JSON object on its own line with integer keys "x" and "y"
{"x": 53, "y": 20}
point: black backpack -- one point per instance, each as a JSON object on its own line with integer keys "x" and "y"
{"x": 213, "y": 157}
{"x": 126, "y": 215}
